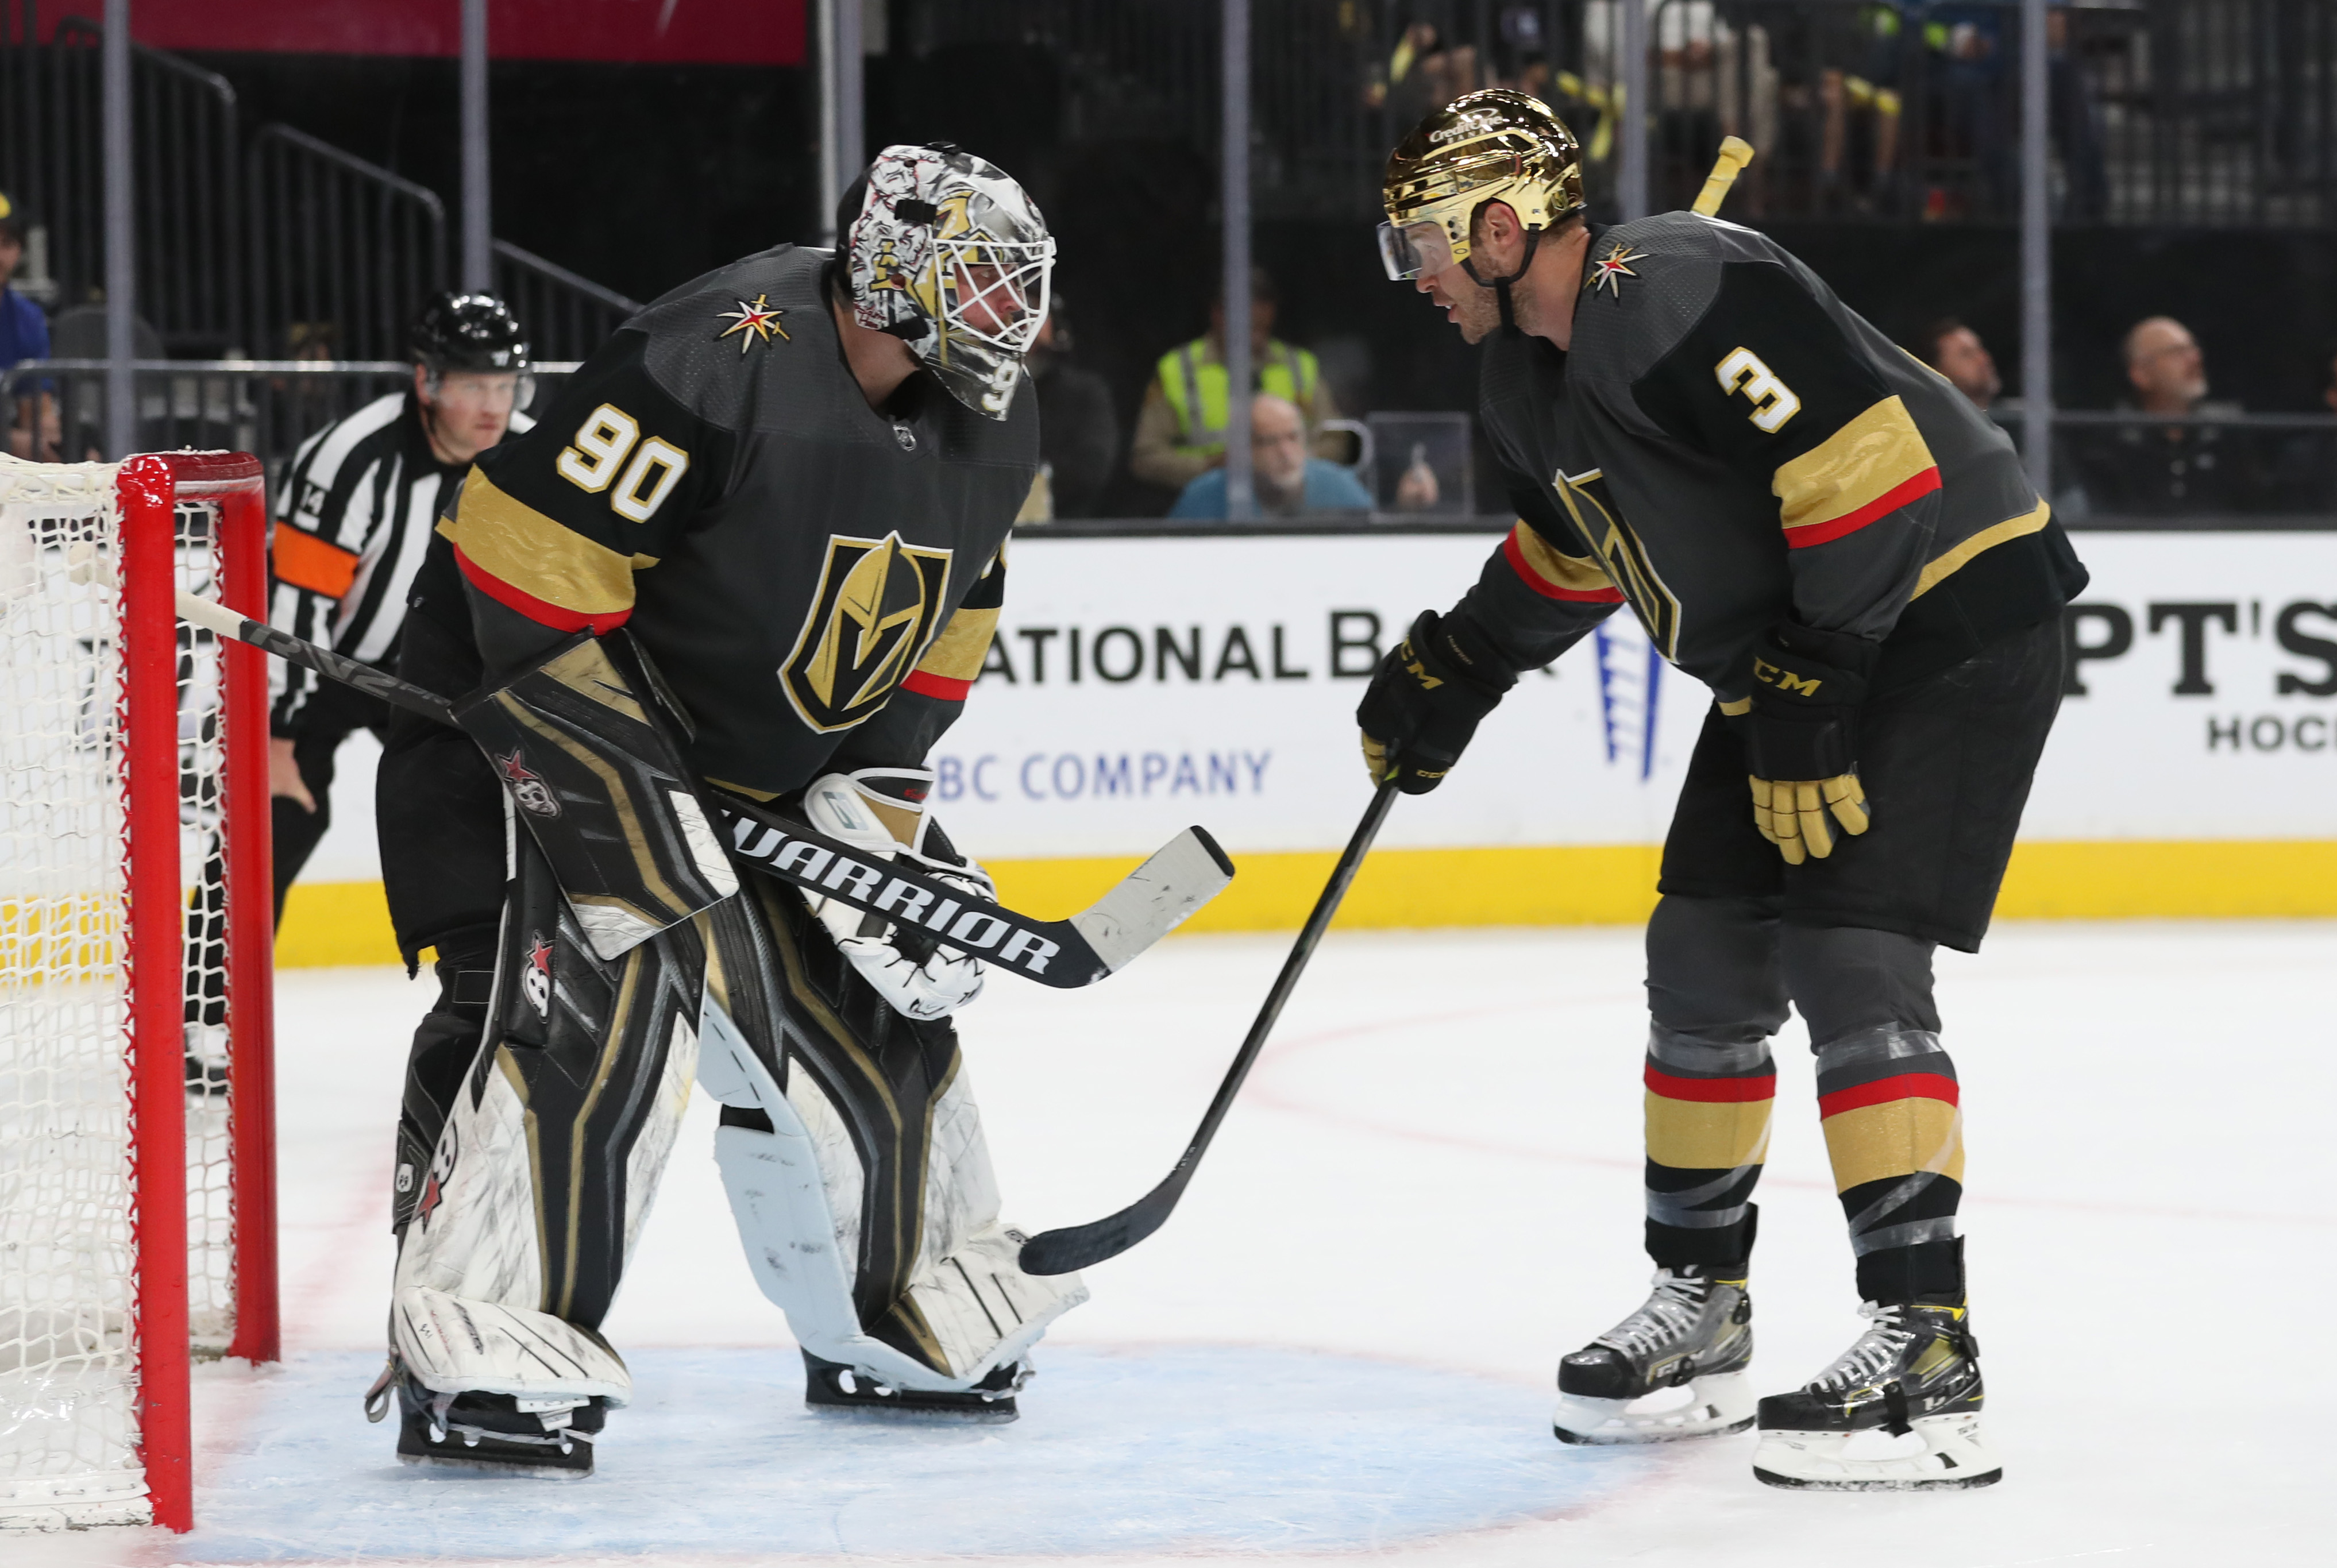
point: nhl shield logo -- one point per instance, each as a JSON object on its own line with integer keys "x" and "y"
{"x": 878, "y": 602}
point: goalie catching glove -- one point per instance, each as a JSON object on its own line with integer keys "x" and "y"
{"x": 883, "y": 811}
{"x": 1427, "y": 699}
{"x": 1801, "y": 738}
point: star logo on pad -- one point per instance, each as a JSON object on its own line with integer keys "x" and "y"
{"x": 1609, "y": 270}
{"x": 753, "y": 324}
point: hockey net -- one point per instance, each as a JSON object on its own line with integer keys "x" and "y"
{"x": 136, "y": 1184}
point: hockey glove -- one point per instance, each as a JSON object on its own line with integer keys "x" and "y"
{"x": 1801, "y": 738}
{"x": 1425, "y": 701}
{"x": 883, "y": 811}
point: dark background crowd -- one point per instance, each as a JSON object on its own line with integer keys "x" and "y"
{"x": 2195, "y": 155}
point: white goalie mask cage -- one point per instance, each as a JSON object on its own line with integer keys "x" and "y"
{"x": 950, "y": 255}
{"x": 137, "y": 1203}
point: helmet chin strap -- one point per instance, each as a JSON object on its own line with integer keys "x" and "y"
{"x": 1500, "y": 286}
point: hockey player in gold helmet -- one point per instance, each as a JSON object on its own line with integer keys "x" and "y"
{"x": 1497, "y": 145}
{"x": 1848, "y": 554}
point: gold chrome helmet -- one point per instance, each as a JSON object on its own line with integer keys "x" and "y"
{"x": 1494, "y": 145}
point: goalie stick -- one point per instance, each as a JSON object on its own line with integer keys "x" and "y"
{"x": 1098, "y": 941}
{"x": 1077, "y": 1247}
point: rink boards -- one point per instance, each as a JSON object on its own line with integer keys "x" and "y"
{"x": 1138, "y": 684}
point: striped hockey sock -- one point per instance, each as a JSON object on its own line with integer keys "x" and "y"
{"x": 1894, "y": 1132}
{"x": 1707, "y": 1134}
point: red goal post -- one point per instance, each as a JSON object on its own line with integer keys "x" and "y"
{"x": 137, "y": 1135}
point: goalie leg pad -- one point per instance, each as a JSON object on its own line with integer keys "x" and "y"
{"x": 450, "y": 1345}
{"x": 862, "y": 1187}
{"x": 543, "y": 1175}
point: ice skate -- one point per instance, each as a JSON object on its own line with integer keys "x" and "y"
{"x": 833, "y": 1389}
{"x": 1696, "y": 1332}
{"x": 1900, "y": 1411}
{"x": 471, "y": 1431}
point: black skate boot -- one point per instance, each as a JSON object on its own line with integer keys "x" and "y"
{"x": 830, "y": 1387}
{"x": 549, "y": 1437}
{"x": 1915, "y": 1370}
{"x": 1696, "y": 1331}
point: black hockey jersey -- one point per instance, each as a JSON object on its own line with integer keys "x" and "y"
{"x": 1726, "y": 446}
{"x": 818, "y": 582}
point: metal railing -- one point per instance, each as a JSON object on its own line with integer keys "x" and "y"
{"x": 263, "y": 407}
{"x": 186, "y": 129}
{"x": 566, "y": 316}
{"x": 341, "y": 249}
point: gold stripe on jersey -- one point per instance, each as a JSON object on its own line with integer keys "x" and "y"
{"x": 1960, "y": 555}
{"x": 1895, "y": 1138}
{"x": 963, "y": 645}
{"x": 1878, "y": 452}
{"x": 515, "y": 544}
{"x": 1568, "y": 573}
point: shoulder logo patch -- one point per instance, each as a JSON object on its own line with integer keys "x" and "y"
{"x": 753, "y": 324}
{"x": 879, "y": 604}
{"x": 1609, "y": 270}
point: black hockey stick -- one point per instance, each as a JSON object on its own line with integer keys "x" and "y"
{"x": 1147, "y": 904}
{"x": 1079, "y": 1246}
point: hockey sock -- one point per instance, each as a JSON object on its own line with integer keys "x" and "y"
{"x": 1708, "y": 1134}
{"x": 1715, "y": 995}
{"x": 1894, "y": 1132}
{"x": 444, "y": 1046}
{"x": 1888, "y": 1100}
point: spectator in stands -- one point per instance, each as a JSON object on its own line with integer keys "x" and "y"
{"x": 1180, "y": 432}
{"x": 1288, "y": 481}
{"x": 2307, "y": 476}
{"x": 1078, "y": 431}
{"x": 23, "y": 334}
{"x": 1956, "y": 352}
{"x": 2145, "y": 468}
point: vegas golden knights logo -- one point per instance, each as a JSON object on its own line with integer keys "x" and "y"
{"x": 1626, "y": 560}
{"x": 877, "y": 605}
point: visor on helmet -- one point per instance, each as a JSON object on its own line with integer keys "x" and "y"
{"x": 994, "y": 291}
{"x": 1414, "y": 250}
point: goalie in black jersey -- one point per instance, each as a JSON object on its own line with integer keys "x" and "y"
{"x": 1828, "y": 536}
{"x": 757, "y": 547}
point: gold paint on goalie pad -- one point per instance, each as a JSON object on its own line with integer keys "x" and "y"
{"x": 1896, "y": 1139}
{"x": 1708, "y": 1135}
{"x": 514, "y": 543}
{"x": 1862, "y": 461}
{"x": 585, "y": 670}
{"x": 1955, "y": 559}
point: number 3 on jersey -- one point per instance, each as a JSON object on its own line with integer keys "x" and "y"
{"x": 1773, "y": 401}
{"x": 596, "y": 453}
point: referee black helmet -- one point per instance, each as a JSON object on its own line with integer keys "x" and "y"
{"x": 468, "y": 332}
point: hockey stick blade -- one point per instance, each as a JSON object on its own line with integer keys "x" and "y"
{"x": 1152, "y": 901}
{"x": 1076, "y": 1247}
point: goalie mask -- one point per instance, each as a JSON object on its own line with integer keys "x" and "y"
{"x": 948, "y": 255}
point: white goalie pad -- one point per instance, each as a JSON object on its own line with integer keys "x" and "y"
{"x": 985, "y": 1312}
{"x": 454, "y": 1346}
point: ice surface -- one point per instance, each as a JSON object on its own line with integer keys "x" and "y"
{"x": 1340, "y": 1348}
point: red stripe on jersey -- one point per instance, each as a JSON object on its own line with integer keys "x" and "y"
{"x": 1713, "y": 1091}
{"x": 1546, "y": 589}
{"x": 535, "y": 609}
{"x": 1882, "y": 1091}
{"x": 1882, "y": 505}
{"x": 926, "y": 684}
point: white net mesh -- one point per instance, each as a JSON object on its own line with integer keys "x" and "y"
{"x": 68, "y": 1291}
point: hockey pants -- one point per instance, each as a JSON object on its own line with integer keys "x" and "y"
{"x": 1721, "y": 974}
{"x": 849, "y": 1144}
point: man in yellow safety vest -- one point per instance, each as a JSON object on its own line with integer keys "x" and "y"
{"x": 1180, "y": 433}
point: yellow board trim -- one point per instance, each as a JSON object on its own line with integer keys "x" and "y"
{"x": 1865, "y": 460}
{"x": 1605, "y": 885}
{"x": 1987, "y": 539}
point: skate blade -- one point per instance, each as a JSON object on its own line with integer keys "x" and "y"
{"x": 1717, "y": 1405}
{"x": 452, "y": 1463}
{"x": 1953, "y": 1455}
{"x": 898, "y": 1415}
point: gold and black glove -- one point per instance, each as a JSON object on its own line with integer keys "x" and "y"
{"x": 1801, "y": 738}
{"x": 1426, "y": 698}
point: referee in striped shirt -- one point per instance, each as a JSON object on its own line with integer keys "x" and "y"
{"x": 353, "y": 519}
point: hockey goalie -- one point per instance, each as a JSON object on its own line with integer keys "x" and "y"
{"x": 755, "y": 550}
